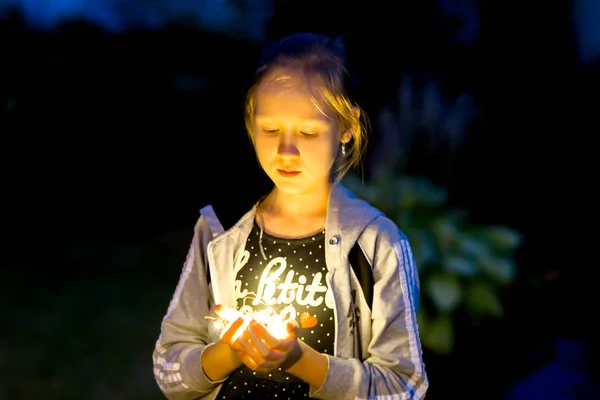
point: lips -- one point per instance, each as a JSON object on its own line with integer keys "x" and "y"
{"x": 287, "y": 173}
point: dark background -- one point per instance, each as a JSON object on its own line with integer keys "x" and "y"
{"x": 112, "y": 142}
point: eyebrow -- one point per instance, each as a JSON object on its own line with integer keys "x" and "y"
{"x": 319, "y": 121}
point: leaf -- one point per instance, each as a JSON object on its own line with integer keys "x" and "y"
{"x": 444, "y": 290}
{"x": 473, "y": 246}
{"x": 482, "y": 299}
{"x": 460, "y": 265}
{"x": 439, "y": 336}
{"x": 501, "y": 238}
{"x": 500, "y": 269}
{"x": 423, "y": 320}
{"x": 418, "y": 191}
{"x": 424, "y": 247}
{"x": 456, "y": 217}
{"x": 406, "y": 219}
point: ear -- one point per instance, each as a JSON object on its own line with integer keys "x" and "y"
{"x": 346, "y": 136}
{"x": 349, "y": 133}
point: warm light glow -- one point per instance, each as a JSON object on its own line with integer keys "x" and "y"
{"x": 269, "y": 319}
{"x": 229, "y": 316}
{"x": 272, "y": 321}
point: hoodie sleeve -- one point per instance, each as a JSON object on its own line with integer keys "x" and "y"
{"x": 394, "y": 368}
{"x": 184, "y": 330}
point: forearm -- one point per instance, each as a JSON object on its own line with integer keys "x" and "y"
{"x": 219, "y": 360}
{"x": 311, "y": 367}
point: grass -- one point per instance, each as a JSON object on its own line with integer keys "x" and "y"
{"x": 91, "y": 337}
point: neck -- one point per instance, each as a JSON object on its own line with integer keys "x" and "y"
{"x": 313, "y": 204}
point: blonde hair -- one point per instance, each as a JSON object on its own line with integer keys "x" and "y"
{"x": 322, "y": 60}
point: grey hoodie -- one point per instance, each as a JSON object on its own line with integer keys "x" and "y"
{"x": 386, "y": 336}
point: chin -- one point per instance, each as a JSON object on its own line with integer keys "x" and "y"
{"x": 289, "y": 187}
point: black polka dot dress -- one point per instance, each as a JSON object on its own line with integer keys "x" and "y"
{"x": 290, "y": 282}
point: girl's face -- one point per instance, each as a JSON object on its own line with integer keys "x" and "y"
{"x": 296, "y": 143}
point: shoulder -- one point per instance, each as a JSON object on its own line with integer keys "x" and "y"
{"x": 383, "y": 238}
{"x": 385, "y": 228}
{"x": 366, "y": 222}
{"x": 375, "y": 220}
{"x": 224, "y": 212}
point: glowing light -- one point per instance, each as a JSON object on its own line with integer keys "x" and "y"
{"x": 275, "y": 324}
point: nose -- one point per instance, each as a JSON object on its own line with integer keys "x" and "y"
{"x": 287, "y": 148}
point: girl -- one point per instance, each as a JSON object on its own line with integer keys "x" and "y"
{"x": 324, "y": 335}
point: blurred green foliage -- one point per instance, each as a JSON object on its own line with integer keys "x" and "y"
{"x": 461, "y": 265}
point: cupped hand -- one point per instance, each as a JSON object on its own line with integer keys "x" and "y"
{"x": 261, "y": 351}
{"x": 231, "y": 332}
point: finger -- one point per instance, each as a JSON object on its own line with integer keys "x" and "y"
{"x": 245, "y": 345}
{"x": 292, "y": 327}
{"x": 248, "y": 361}
{"x": 265, "y": 336}
{"x": 232, "y": 330}
{"x": 264, "y": 357}
{"x": 264, "y": 366}
{"x": 290, "y": 341}
{"x": 226, "y": 313}
{"x": 261, "y": 341}
{"x": 256, "y": 364}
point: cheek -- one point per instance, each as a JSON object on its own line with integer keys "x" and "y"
{"x": 322, "y": 154}
{"x": 261, "y": 145}
{"x": 331, "y": 148}
{"x": 260, "y": 154}
{"x": 264, "y": 149}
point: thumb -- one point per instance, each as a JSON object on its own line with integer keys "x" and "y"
{"x": 292, "y": 326}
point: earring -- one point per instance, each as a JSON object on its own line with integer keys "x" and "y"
{"x": 343, "y": 149}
